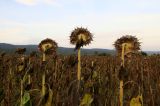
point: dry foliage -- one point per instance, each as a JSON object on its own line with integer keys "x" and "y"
{"x": 99, "y": 79}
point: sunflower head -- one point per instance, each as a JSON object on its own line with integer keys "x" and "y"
{"x": 20, "y": 50}
{"x": 48, "y": 46}
{"x": 22, "y": 62}
{"x": 131, "y": 44}
{"x": 80, "y": 37}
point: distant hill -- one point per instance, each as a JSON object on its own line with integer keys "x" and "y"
{"x": 9, "y": 48}
{"x": 152, "y": 52}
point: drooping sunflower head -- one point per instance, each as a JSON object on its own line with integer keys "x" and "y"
{"x": 20, "y": 50}
{"x": 48, "y": 46}
{"x": 22, "y": 62}
{"x": 80, "y": 37}
{"x": 130, "y": 42}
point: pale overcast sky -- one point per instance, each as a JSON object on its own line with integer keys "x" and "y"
{"x": 30, "y": 21}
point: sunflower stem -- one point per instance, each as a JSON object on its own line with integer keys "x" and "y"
{"x": 43, "y": 76}
{"x": 29, "y": 79}
{"x": 43, "y": 84}
{"x": 79, "y": 66}
{"x": 21, "y": 103}
{"x": 121, "y": 93}
{"x": 121, "y": 81}
{"x": 44, "y": 57}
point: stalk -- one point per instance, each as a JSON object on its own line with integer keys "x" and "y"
{"x": 21, "y": 103}
{"x": 79, "y": 73}
{"x": 142, "y": 83}
{"x": 121, "y": 93}
{"x": 121, "y": 80}
{"x": 29, "y": 79}
{"x": 79, "y": 67}
{"x": 44, "y": 57}
{"x": 43, "y": 77}
{"x": 92, "y": 63}
{"x": 43, "y": 84}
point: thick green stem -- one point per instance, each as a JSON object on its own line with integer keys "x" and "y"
{"x": 79, "y": 65}
{"x": 79, "y": 68}
{"x": 43, "y": 84}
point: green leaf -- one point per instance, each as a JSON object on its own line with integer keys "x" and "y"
{"x": 95, "y": 75}
{"x": 49, "y": 100}
{"x": 136, "y": 101}
{"x": 87, "y": 100}
{"x": 26, "y": 99}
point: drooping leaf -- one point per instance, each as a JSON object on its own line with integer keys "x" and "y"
{"x": 49, "y": 100}
{"x": 136, "y": 101}
{"x": 95, "y": 75}
{"x": 87, "y": 100}
{"x": 20, "y": 68}
{"x": 26, "y": 99}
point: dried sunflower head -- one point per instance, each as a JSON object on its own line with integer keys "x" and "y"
{"x": 48, "y": 46}
{"x": 22, "y": 62}
{"x": 20, "y": 50}
{"x": 80, "y": 37}
{"x": 131, "y": 44}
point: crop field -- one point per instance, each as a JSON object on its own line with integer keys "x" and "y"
{"x": 21, "y": 81}
{"x": 79, "y": 52}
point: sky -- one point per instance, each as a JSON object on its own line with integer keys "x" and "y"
{"x": 30, "y": 21}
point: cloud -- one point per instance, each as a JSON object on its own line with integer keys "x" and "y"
{"x": 106, "y": 29}
{"x": 27, "y": 2}
{"x": 48, "y": 1}
{"x": 12, "y": 34}
{"x": 36, "y": 2}
{"x": 52, "y": 3}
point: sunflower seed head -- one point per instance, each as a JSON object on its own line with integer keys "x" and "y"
{"x": 48, "y": 46}
{"x": 80, "y": 37}
{"x": 131, "y": 43}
